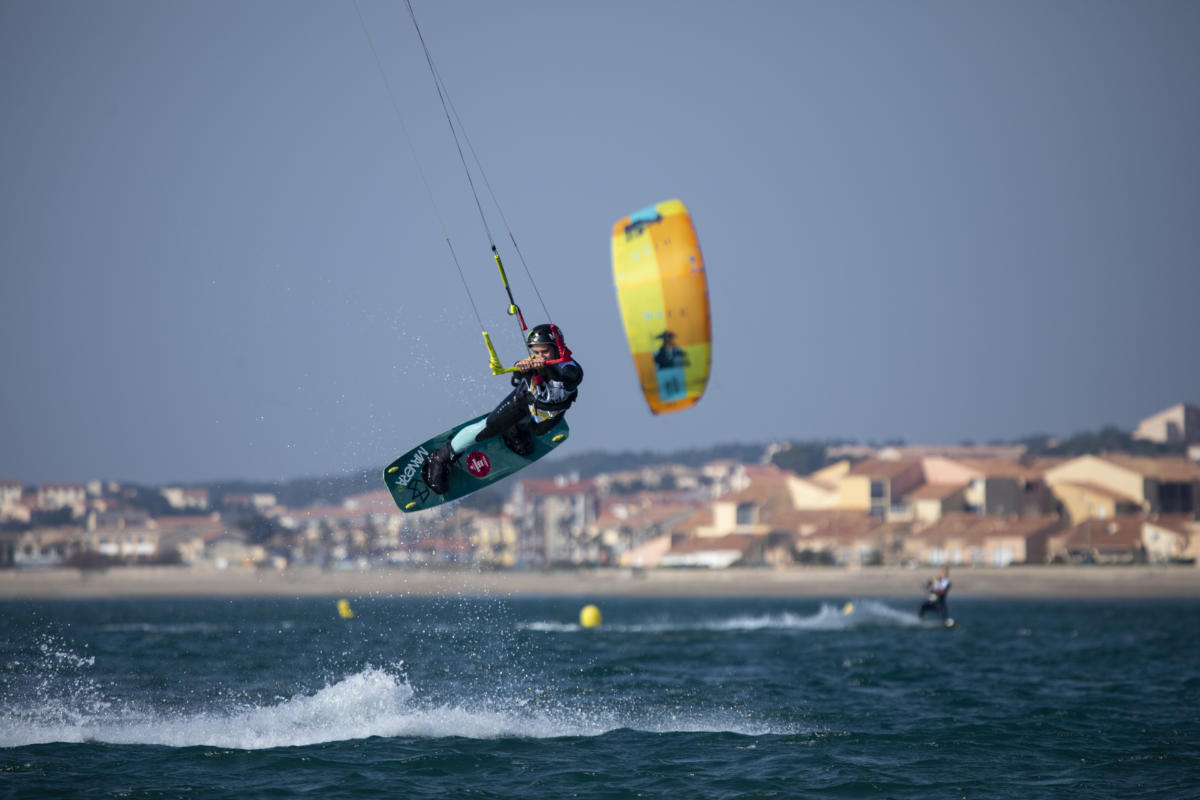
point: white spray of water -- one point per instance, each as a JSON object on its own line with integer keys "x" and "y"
{"x": 372, "y": 702}
{"x": 866, "y": 613}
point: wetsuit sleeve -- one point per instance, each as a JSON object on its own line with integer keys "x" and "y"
{"x": 569, "y": 372}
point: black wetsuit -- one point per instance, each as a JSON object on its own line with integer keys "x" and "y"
{"x": 938, "y": 589}
{"x": 547, "y": 398}
{"x": 534, "y": 406}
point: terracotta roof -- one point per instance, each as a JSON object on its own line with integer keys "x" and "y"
{"x": 648, "y": 553}
{"x": 1118, "y": 533}
{"x": 650, "y": 515}
{"x": 879, "y": 468}
{"x": 844, "y": 529}
{"x": 996, "y": 467}
{"x": 1101, "y": 491}
{"x": 976, "y": 528}
{"x": 955, "y": 523}
{"x": 935, "y": 491}
{"x": 739, "y": 542}
{"x": 1019, "y": 527}
{"x": 702, "y": 518}
{"x": 1165, "y": 468}
{"x": 809, "y": 519}
{"x": 765, "y": 472}
{"x": 757, "y": 492}
{"x": 1185, "y": 524}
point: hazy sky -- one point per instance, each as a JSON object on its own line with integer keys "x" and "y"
{"x": 938, "y": 221}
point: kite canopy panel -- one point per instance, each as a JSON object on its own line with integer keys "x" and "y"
{"x": 663, "y": 294}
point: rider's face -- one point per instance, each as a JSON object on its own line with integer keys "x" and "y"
{"x": 543, "y": 351}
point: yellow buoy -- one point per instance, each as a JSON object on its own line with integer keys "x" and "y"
{"x": 589, "y": 616}
{"x": 344, "y": 609}
{"x": 848, "y": 608}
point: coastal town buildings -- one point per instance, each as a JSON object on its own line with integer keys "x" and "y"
{"x": 981, "y": 540}
{"x": 1115, "y": 540}
{"x": 194, "y": 498}
{"x": 985, "y": 506}
{"x": 553, "y": 518}
{"x": 1178, "y": 424}
{"x": 55, "y": 496}
{"x": 1116, "y": 484}
{"x": 1171, "y": 538}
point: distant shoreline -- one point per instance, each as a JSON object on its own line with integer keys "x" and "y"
{"x": 823, "y": 582}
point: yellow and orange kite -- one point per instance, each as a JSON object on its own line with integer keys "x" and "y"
{"x": 663, "y": 294}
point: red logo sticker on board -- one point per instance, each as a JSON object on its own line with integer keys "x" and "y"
{"x": 478, "y": 464}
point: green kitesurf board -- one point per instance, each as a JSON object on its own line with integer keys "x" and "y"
{"x": 482, "y": 465}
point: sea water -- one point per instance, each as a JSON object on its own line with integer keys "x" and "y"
{"x": 510, "y": 698}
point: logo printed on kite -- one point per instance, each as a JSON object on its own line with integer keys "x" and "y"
{"x": 478, "y": 464}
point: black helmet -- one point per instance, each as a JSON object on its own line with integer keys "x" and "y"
{"x": 544, "y": 334}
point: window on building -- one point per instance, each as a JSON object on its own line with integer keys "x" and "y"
{"x": 1175, "y": 498}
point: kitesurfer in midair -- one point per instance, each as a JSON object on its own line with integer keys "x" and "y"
{"x": 938, "y": 588}
{"x": 545, "y": 385}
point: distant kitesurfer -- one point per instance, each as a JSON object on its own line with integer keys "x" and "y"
{"x": 938, "y": 588}
{"x": 546, "y": 384}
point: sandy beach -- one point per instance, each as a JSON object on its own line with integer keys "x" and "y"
{"x": 833, "y": 583}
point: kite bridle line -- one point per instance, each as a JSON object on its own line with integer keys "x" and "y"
{"x": 451, "y": 117}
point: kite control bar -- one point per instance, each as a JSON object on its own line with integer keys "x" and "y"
{"x": 513, "y": 311}
{"x": 493, "y": 359}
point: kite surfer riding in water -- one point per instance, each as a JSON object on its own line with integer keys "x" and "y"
{"x": 545, "y": 385}
{"x": 938, "y": 588}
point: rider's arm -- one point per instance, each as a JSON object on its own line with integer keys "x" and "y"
{"x": 568, "y": 372}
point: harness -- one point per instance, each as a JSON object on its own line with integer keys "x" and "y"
{"x": 549, "y": 394}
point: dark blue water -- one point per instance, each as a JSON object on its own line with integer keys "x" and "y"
{"x": 696, "y": 698}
